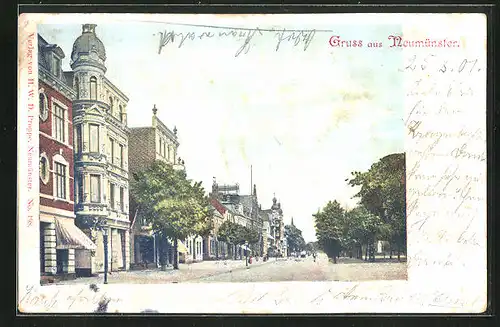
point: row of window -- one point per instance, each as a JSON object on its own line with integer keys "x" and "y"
{"x": 95, "y": 192}
{"x": 193, "y": 246}
{"x": 165, "y": 150}
{"x": 60, "y": 185}
{"x": 60, "y": 176}
{"x": 93, "y": 96}
{"x": 117, "y": 150}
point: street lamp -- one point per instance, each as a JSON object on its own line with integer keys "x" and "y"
{"x": 105, "y": 238}
{"x": 246, "y": 254}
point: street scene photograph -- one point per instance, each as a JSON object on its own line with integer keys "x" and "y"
{"x": 202, "y": 154}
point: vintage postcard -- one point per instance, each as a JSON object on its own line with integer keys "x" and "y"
{"x": 319, "y": 163}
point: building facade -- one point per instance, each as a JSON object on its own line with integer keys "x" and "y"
{"x": 267, "y": 238}
{"x": 101, "y": 155}
{"x": 277, "y": 228}
{"x": 147, "y": 144}
{"x": 215, "y": 249}
{"x": 60, "y": 239}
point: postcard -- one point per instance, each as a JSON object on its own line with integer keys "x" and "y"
{"x": 313, "y": 163}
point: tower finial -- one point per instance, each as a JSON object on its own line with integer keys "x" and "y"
{"x": 154, "y": 109}
{"x": 175, "y": 130}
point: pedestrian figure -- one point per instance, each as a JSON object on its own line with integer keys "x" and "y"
{"x": 314, "y": 256}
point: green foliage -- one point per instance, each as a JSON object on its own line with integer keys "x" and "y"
{"x": 294, "y": 238}
{"x": 237, "y": 234}
{"x": 329, "y": 228}
{"x": 381, "y": 213}
{"x": 383, "y": 193}
{"x": 174, "y": 205}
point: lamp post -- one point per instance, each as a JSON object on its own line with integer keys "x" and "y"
{"x": 246, "y": 254}
{"x": 105, "y": 238}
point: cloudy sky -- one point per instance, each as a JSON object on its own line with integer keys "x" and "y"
{"x": 302, "y": 119}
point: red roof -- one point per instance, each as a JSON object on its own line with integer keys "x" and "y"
{"x": 218, "y": 206}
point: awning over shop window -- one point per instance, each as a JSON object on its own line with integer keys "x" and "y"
{"x": 68, "y": 236}
{"x": 269, "y": 236}
{"x": 181, "y": 247}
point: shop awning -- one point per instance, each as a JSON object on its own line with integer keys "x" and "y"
{"x": 269, "y": 236}
{"x": 181, "y": 247}
{"x": 68, "y": 236}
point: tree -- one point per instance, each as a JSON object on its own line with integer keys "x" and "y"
{"x": 294, "y": 238}
{"x": 383, "y": 193}
{"x": 236, "y": 234}
{"x": 329, "y": 229}
{"x": 362, "y": 228}
{"x": 175, "y": 207}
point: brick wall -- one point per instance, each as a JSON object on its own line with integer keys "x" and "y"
{"x": 141, "y": 153}
{"x": 141, "y": 148}
{"x": 52, "y": 147}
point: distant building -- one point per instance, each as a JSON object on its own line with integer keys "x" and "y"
{"x": 101, "y": 155}
{"x": 267, "y": 238}
{"x": 60, "y": 239}
{"x": 243, "y": 210}
{"x": 213, "y": 247}
{"x": 277, "y": 228}
{"x": 148, "y": 144}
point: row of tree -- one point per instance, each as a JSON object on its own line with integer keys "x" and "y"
{"x": 175, "y": 206}
{"x": 380, "y": 214}
{"x": 294, "y": 238}
{"x": 235, "y": 234}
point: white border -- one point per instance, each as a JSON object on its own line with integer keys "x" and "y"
{"x": 444, "y": 276}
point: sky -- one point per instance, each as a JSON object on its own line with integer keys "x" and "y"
{"x": 303, "y": 120}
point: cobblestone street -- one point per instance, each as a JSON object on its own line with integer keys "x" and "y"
{"x": 274, "y": 270}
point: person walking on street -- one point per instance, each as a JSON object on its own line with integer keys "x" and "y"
{"x": 314, "y": 256}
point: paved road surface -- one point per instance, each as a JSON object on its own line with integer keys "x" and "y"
{"x": 291, "y": 269}
{"x": 305, "y": 269}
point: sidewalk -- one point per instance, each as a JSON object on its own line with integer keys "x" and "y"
{"x": 185, "y": 273}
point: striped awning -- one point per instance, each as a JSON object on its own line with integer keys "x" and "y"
{"x": 68, "y": 236}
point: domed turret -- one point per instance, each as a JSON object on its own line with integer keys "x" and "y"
{"x": 87, "y": 47}
{"x": 275, "y": 205}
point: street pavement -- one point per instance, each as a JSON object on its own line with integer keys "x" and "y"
{"x": 273, "y": 270}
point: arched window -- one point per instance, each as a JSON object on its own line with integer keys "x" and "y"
{"x": 44, "y": 168}
{"x": 77, "y": 87}
{"x": 44, "y": 110}
{"x": 93, "y": 88}
{"x": 111, "y": 109}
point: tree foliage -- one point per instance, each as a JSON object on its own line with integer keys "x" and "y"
{"x": 383, "y": 193}
{"x": 237, "y": 234}
{"x": 174, "y": 205}
{"x": 294, "y": 238}
{"x": 380, "y": 214}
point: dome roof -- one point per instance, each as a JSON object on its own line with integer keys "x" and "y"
{"x": 88, "y": 42}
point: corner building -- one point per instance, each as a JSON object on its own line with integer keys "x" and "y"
{"x": 60, "y": 239}
{"x": 101, "y": 156}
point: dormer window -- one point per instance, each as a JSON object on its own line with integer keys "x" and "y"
{"x": 56, "y": 66}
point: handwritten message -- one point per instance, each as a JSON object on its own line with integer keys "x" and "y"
{"x": 446, "y": 166}
{"x": 244, "y": 36}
